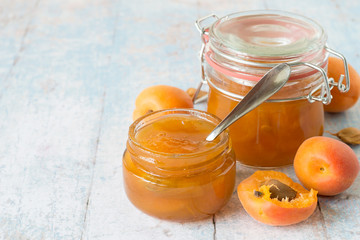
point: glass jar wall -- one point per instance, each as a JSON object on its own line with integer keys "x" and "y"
{"x": 269, "y": 135}
{"x": 171, "y": 172}
{"x": 239, "y": 49}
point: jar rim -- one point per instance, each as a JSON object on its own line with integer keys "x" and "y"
{"x": 266, "y": 33}
{"x": 151, "y": 117}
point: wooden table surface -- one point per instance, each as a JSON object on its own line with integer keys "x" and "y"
{"x": 70, "y": 71}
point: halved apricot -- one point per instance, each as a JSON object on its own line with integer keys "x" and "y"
{"x": 273, "y": 198}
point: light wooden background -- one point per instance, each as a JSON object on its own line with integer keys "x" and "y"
{"x": 69, "y": 74}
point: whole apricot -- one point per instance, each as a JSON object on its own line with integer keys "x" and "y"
{"x": 160, "y": 97}
{"x": 273, "y": 198}
{"x": 326, "y": 165}
{"x": 342, "y": 101}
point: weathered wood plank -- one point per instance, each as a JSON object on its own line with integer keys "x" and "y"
{"x": 161, "y": 64}
{"x": 336, "y": 217}
{"x": 110, "y": 214}
{"x": 69, "y": 75}
{"x": 50, "y": 115}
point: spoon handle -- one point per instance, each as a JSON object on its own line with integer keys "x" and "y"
{"x": 267, "y": 86}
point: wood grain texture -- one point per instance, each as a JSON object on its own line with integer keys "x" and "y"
{"x": 69, "y": 74}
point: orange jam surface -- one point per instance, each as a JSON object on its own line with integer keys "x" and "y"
{"x": 270, "y": 135}
{"x": 177, "y": 134}
{"x": 187, "y": 178}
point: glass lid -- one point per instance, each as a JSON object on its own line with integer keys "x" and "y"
{"x": 267, "y": 34}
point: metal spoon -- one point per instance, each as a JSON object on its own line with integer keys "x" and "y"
{"x": 267, "y": 86}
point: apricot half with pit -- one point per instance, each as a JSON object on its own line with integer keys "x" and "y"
{"x": 160, "y": 97}
{"x": 273, "y": 198}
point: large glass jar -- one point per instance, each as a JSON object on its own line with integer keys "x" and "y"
{"x": 237, "y": 51}
{"x": 171, "y": 172}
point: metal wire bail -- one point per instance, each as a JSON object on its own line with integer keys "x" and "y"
{"x": 204, "y": 37}
{"x": 342, "y": 88}
{"x": 325, "y": 95}
{"x": 325, "y": 88}
{"x": 320, "y": 93}
{"x": 198, "y": 22}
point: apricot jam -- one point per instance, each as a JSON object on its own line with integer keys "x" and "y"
{"x": 171, "y": 172}
{"x": 237, "y": 51}
{"x": 270, "y": 135}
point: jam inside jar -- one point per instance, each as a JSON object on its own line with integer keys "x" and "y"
{"x": 238, "y": 50}
{"x": 171, "y": 172}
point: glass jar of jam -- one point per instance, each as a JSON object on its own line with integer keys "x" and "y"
{"x": 238, "y": 50}
{"x": 171, "y": 172}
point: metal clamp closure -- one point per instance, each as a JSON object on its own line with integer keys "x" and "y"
{"x": 199, "y": 26}
{"x": 204, "y": 37}
{"x": 320, "y": 93}
{"x": 325, "y": 88}
{"x": 342, "y": 88}
{"x": 325, "y": 95}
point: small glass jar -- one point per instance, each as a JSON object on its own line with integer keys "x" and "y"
{"x": 238, "y": 50}
{"x": 171, "y": 172}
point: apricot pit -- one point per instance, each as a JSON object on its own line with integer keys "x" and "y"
{"x": 280, "y": 191}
